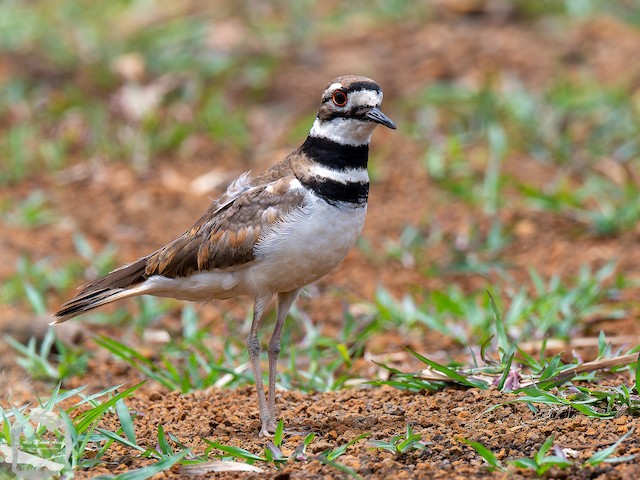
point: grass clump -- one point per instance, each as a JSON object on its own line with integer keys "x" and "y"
{"x": 52, "y": 439}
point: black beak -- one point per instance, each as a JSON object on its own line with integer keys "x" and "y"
{"x": 376, "y": 115}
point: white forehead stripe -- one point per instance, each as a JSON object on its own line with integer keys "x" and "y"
{"x": 369, "y": 98}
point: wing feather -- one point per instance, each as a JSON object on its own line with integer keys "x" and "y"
{"x": 225, "y": 236}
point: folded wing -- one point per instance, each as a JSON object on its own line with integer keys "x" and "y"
{"x": 223, "y": 238}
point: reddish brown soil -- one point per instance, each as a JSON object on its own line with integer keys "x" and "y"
{"x": 114, "y": 204}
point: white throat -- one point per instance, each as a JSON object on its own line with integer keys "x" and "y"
{"x": 346, "y": 131}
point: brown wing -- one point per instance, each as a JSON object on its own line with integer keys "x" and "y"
{"x": 226, "y": 235}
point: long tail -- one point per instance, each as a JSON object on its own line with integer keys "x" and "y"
{"x": 123, "y": 282}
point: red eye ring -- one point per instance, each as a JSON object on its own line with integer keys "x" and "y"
{"x": 339, "y": 98}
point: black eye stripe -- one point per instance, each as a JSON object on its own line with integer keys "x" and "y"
{"x": 354, "y": 87}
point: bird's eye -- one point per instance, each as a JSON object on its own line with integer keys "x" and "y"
{"x": 339, "y": 98}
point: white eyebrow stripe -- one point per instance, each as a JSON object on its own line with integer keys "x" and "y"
{"x": 350, "y": 175}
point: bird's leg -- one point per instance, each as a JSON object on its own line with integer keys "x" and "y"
{"x": 253, "y": 346}
{"x": 285, "y": 301}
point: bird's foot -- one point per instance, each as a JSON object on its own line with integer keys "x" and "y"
{"x": 268, "y": 428}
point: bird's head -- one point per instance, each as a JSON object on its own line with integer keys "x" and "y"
{"x": 350, "y": 111}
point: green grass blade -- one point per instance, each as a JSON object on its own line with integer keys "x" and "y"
{"x": 163, "y": 444}
{"x": 126, "y": 422}
{"x": 556, "y": 381}
{"x": 525, "y": 463}
{"x": 137, "y": 360}
{"x": 35, "y": 298}
{"x": 501, "y": 333}
{"x": 506, "y": 372}
{"x": 546, "y": 446}
{"x": 54, "y": 398}
{"x": 395, "y": 371}
{"x": 452, "y": 374}
{"x": 308, "y": 439}
{"x": 147, "y": 472}
{"x": 552, "y": 368}
{"x": 338, "y": 466}
{"x": 85, "y": 420}
{"x": 485, "y": 453}
{"x": 279, "y": 434}
{"x": 626, "y": 458}
{"x": 6, "y": 429}
{"x": 91, "y": 398}
{"x": 413, "y": 441}
{"x": 236, "y": 452}
{"x": 604, "y": 454}
{"x": 122, "y": 440}
{"x": 300, "y": 453}
{"x": 339, "y": 451}
{"x": 123, "y": 351}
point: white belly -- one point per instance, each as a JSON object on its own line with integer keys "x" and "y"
{"x": 305, "y": 247}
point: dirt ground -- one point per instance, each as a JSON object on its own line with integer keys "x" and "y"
{"x": 110, "y": 203}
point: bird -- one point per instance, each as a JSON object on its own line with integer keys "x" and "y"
{"x": 267, "y": 235}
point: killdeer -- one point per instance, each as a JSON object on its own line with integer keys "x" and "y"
{"x": 267, "y": 235}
